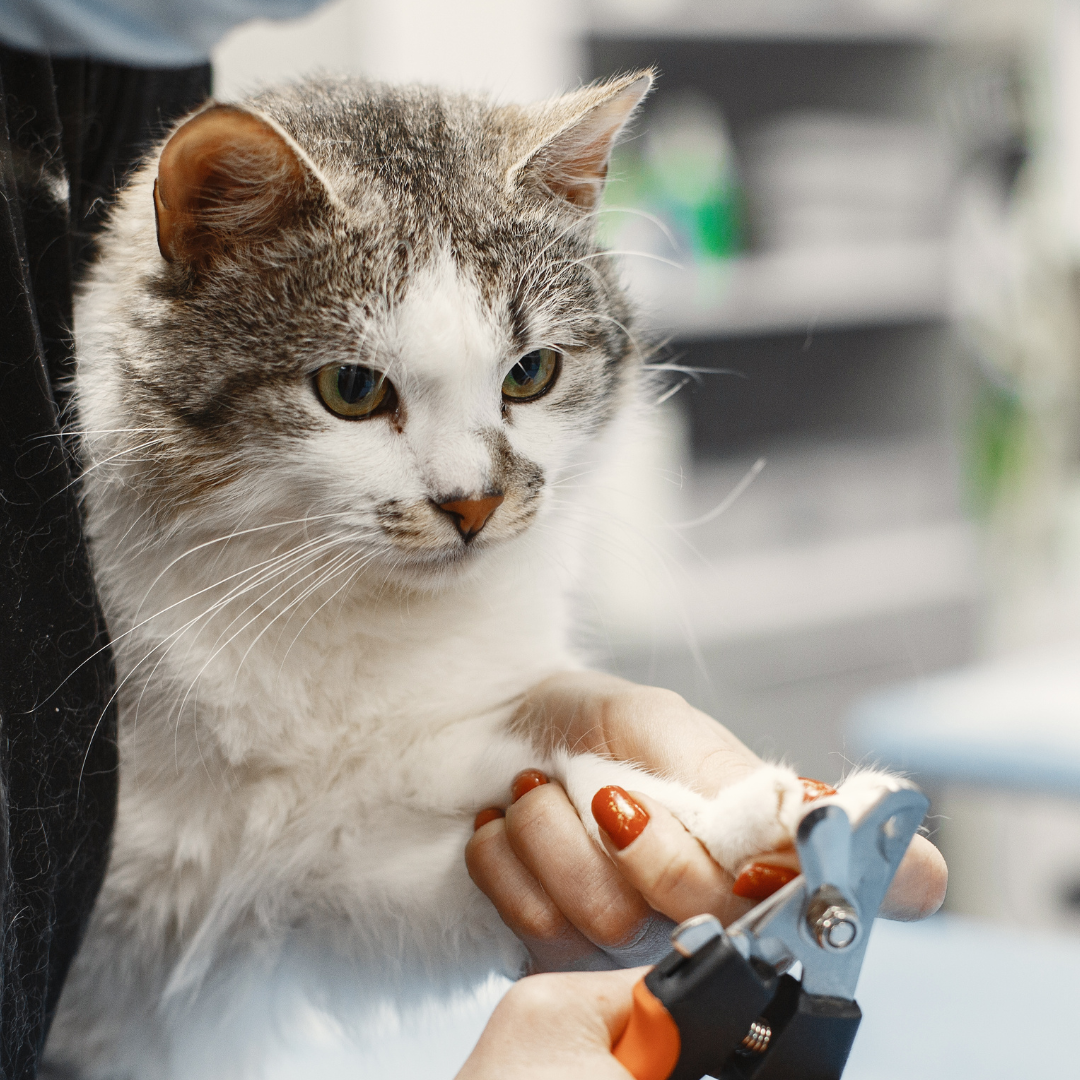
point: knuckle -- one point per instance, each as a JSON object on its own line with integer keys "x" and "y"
{"x": 536, "y": 812}
{"x": 662, "y": 698}
{"x": 537, "y": 921}
{"x": 612, "y": 928}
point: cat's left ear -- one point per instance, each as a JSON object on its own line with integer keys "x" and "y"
{"x": 576, "y": 135}
{"x": 230, "y": 179}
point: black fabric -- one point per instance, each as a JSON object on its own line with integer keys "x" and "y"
{"x": 110, "y": 114}
{"x": 94, "y": 120}
{"x": 58, "y": 761}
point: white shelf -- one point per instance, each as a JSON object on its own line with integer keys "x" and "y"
{"x": 794, "y": 291}
{"x": 822, "y": 536}
{"x": 829, "y": 582}
{"x": 757, "y": 20}
{"x": 799, "y": 588}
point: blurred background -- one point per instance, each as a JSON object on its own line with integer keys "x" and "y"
{"x": 853, "y": 227}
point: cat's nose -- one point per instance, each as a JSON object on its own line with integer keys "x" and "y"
{"x": 471, "y": 515}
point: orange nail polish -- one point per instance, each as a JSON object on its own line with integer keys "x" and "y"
{"x": 618, "y": 815}
{"x": 490, "y": 814}
{"x": 525, "y": 781}
{"x": 815, "y": 789}
{"x": 759, "y": 880}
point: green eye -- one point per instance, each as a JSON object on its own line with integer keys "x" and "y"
{"x": 531, "y": 376}
{"x": 354, "y": 392}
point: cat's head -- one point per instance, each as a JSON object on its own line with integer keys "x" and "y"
{"x": 381, "y": 312}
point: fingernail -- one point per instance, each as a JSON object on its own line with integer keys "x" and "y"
{"x": 760, "y": 880}
{"x": 525, "y": 781}
{"x": 815, "y": 789}
{"x": 618, "y": 815}
{"x": 490, "y": 814}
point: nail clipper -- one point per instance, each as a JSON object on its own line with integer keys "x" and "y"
{"x": 724, "y": 1003}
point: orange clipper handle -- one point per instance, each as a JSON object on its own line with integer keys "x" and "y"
{"x": 649, "y": 1047}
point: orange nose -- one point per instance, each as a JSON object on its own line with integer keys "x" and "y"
{"x": 470, "y": 515}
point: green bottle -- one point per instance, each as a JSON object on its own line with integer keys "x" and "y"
{"x": 693, "y": 183}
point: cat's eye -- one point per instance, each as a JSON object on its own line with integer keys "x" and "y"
{"x": 533, "y": 375}
{"x": 353, "y": 391}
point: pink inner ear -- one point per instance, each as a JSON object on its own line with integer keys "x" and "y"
{"x": 574, "y": 164}
{"x": 579, "y": 175}
{"x": 225, "y": 177}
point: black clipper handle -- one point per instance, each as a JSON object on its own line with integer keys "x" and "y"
{"x": 810, "y": 1038}
{"x": 702, "y": 1008}
{"x": 690, "y": 1013}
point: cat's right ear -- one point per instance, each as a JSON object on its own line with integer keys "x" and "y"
{"x": 228, "y": 179}
{"x": 575, "y": 135}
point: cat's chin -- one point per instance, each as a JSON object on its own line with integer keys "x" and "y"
{"x": 438, "y": 568}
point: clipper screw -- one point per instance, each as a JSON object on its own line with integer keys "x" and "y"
{"x": 837, "y": 928}
{"x": 832, "y": 920}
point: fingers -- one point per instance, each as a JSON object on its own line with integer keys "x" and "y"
{"x": 588, "y": 710}
{"x": 563, "y": 1026}
{"x": 918, "y": 889}
{"x": 763, "y": 875}
{"x": 669, "y": 867}
{"x": 553, "y": 942}
{"x": 546, "y": 834}
{"x": 603, "y": 998}
{"x": 676, "y": 876}
{"x": 561, "y": 895}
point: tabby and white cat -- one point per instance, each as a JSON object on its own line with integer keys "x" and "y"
{"x": 342, "y": 346}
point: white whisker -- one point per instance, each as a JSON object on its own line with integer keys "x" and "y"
{"x": 728, "y": 501}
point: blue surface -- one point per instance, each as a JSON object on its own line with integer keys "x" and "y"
{"x": 951, "y": 998}
{"x": 1013, "y": 724}
{"x": 897, "y": 730}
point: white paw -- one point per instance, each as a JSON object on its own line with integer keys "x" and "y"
{"x": 861, "y": 790}
{"x": 758, "y": 814}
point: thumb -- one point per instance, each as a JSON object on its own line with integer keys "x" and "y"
{"x": 609, "y": 994}
{"x": 556, "y": 1027}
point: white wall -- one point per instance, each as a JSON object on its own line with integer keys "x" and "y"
{"x": 517, "y": 49}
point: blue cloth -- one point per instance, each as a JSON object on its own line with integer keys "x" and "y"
{"x": 143, "y": 33}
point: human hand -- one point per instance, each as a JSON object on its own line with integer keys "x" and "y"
{"x": 575, "y": 909}
{"x": 556, "y": 1027}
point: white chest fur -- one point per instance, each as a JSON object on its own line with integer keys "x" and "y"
{"x": 317, "y": 783}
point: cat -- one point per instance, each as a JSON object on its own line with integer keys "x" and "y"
{"x": 343, "y": 347}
